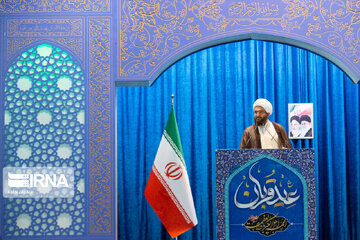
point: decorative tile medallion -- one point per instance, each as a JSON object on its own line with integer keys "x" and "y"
{"x": 265, "y": 194}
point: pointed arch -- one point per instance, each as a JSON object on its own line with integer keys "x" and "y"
{"x": 44, "y": 126}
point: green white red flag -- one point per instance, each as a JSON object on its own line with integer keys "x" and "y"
{"x": 168, "y": 188}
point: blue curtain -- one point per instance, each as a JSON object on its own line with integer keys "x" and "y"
{"x": 214, "y": 91}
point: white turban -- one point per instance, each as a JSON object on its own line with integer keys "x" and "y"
{"x": 262, "y": 102}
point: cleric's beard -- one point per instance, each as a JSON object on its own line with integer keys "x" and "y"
{"x": 259, "y": 121}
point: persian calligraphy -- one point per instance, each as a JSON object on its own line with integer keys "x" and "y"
{"x": 266, "y": 195}
{"x": 155, "y": 34}
{"x": 267, "y": 224}
{"x": 254, "y": 8}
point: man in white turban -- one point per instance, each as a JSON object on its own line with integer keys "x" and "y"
{"x": 263, "y": 133}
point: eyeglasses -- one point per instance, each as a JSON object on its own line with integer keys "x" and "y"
{"x": 259, "y": 112}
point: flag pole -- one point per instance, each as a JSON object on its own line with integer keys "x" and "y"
{"x": 172, "y": 105}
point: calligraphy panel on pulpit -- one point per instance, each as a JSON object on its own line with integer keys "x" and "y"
{"x": 266, "y": 194}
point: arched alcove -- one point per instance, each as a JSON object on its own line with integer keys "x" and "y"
{"x": 44, "y": 126}
{"x": 178, "y": 54}
{"x": 154, "y": 35}
{"x": 214, "y": 91}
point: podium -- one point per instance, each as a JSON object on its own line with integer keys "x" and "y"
{"x": 266, "y": 194}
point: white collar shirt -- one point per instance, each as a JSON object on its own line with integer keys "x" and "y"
{"x": 268, "y": 136}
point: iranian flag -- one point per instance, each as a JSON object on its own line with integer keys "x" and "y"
{"x": 168, "y": 188}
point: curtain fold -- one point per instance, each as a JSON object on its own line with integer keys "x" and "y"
{"x": 214, "y": 91}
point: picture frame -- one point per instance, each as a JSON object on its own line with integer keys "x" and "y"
{"x": 301, "y": 120}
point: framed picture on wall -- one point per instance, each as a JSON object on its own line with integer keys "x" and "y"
{"x": 301, "y": 120}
